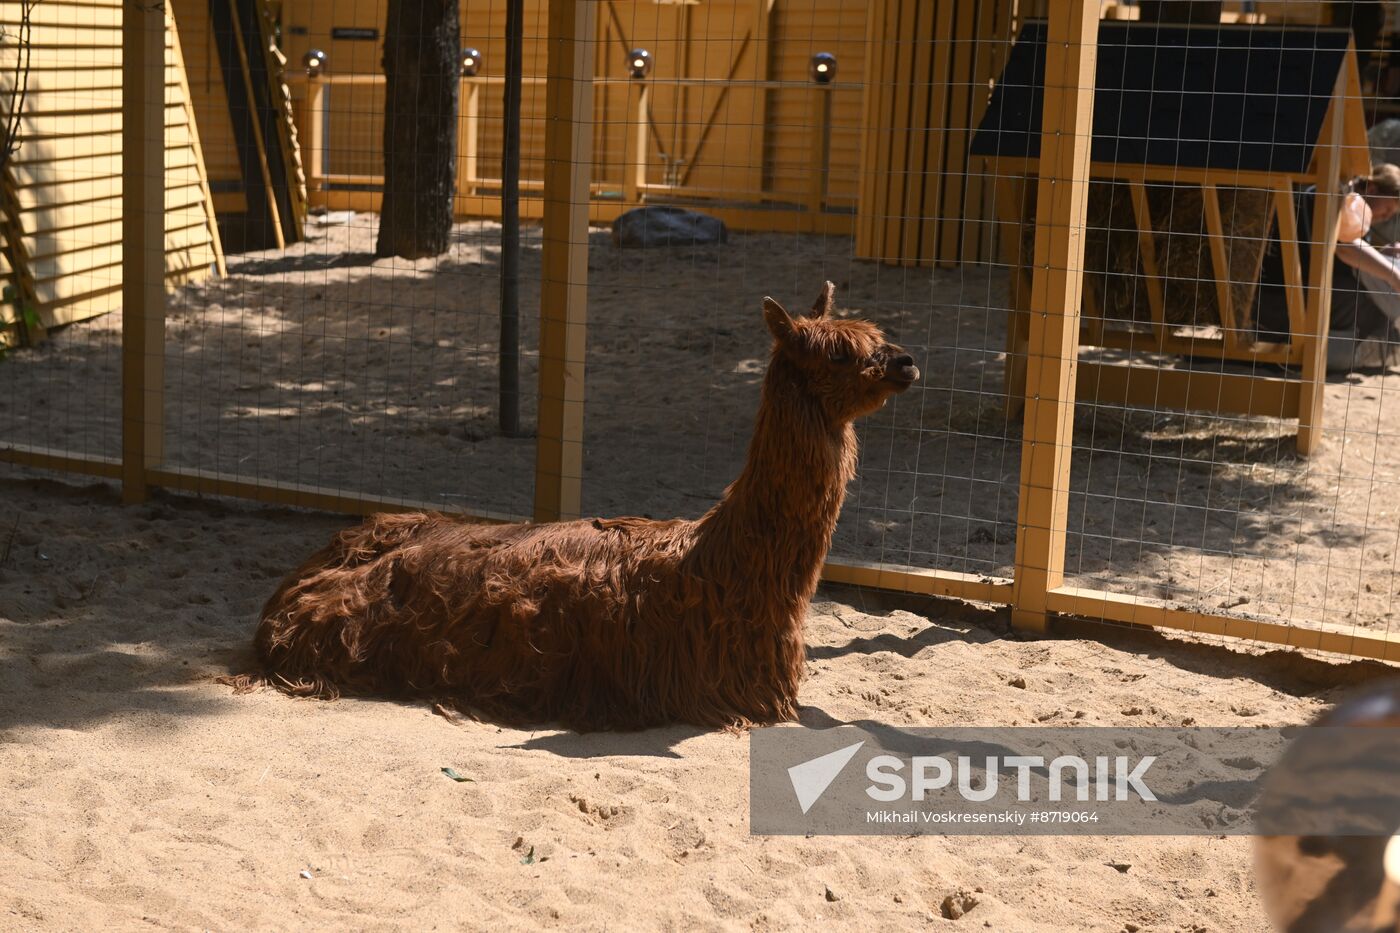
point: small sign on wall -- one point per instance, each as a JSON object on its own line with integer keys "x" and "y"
{"x": 355, "y": 33}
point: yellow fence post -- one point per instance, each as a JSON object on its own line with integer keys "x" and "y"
{"x": 315, "y": 133}
{"x": 634, "y": 144}
{"x": 1324, "y": 246}
{"x": 143, "y": 243}
{"x": 568, "y": 170}
{"x": 470, "y": 129}
{"x": 820, "y": 148}
{"x": 1056, "y": 286}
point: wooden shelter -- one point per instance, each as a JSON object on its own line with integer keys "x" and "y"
{"x": 60, "y": 196}
{"x": 245, "y": 116}
{"x": 1274, "y": 110}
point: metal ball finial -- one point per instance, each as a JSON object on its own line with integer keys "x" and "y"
{"x": 822, "y": 68}
{"x": 471, "y": 62}
{"x": 314, "y": 61}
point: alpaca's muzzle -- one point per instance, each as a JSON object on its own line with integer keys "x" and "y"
{"x": 901, "y": 371}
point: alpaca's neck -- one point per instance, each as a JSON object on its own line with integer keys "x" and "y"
{"x": 776, "y": 520}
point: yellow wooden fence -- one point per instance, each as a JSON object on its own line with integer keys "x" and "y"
{"x": 730, "y": 117}
{"x": 807, "y": 207}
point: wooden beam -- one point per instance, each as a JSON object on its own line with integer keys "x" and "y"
{"x": 1094, "y": 330}
{"x": 316, "y": 136}
{"x": 470, "y": 141}
{"x": 143, "y": 238}
{"x": 1220, "y": 264}
{"x": 1356, "y": 148}
{"x": 1182, "y": 344}
{"x": 820, "y": 147}
{"x": 1151, "y": 387}
{"x": 184, "y": 85}
{"x": 756, "y": 218}
{"x": 1122, "y": 171}
{"x": 1324, "y": 247}
{"x": 1292, "y": 260}
{"x": 1156, "y": 613}
{"x": 969, "y": 586}
{"x": 758, "y": 71}
{"x": 572, "y": 38}
{"x": 1147, "y": 246}
{"x": 1058, "y": 277}
{"x": 49, "y": 458}
{"x": 214, "y": 483}
{"x": 634, "y": 145}
{"x": 1009, "y": 199}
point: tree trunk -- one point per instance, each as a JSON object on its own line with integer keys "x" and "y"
{"x": 422, "y": 52}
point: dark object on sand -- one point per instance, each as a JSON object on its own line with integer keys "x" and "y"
{"x": 645, "y": 227}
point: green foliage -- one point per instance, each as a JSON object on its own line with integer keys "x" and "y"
{"x": 28, "y": 313}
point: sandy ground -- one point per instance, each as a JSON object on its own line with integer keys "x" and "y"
{"x": 139, "y": 794}
{"x": 322, "y": 365}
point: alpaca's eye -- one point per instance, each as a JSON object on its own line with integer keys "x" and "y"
{"x": 840, "y": 359}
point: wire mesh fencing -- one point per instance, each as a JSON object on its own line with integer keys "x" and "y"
{"x": 1111, "y": 241}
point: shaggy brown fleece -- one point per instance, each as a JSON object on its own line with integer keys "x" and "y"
{"x": 605, "y": 623}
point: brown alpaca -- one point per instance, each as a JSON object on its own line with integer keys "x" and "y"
{"x": 605, "y": 623}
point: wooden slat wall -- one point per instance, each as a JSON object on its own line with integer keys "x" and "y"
{"x": 355, "y": 121}
{"x": 484, "y": 28}
{"x": 922, "y": 200}
{"x": 800, "y": 30}
{"x": 714, "y": 134}
{"x": 210, "y": 103}
{"x": 757, "y": 141}
{"x": 355, "y": 115}
{"x": 62, "y": 191}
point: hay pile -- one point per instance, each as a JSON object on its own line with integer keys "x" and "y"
{"x": 1113, "y": 259}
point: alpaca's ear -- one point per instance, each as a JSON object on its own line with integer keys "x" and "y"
{"x": 825, "y": 302}
{"x": 779, "y": 322}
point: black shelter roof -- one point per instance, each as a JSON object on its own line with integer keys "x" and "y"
{"x": 1249, "y": 98}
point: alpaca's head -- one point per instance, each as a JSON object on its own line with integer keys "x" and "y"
{"x": 847, "y": 365}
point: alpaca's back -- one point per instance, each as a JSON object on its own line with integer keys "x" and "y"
{"x": 534, "y": 621}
